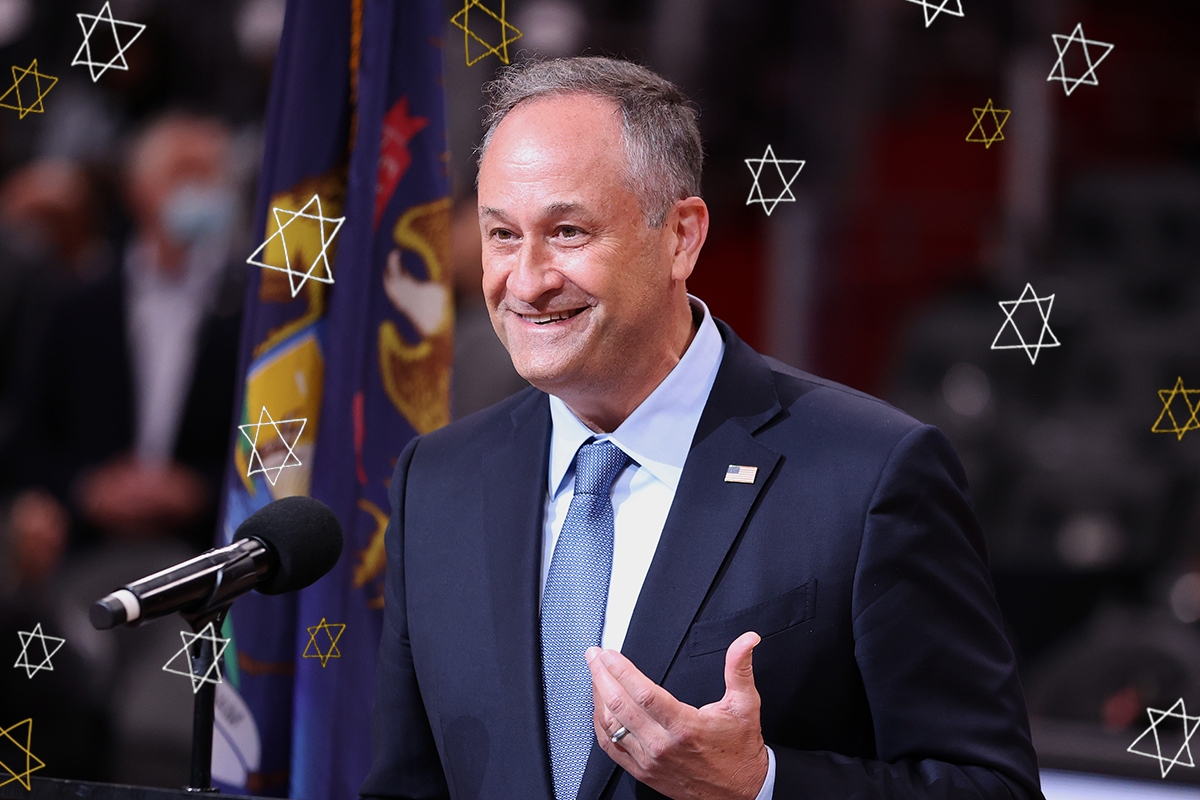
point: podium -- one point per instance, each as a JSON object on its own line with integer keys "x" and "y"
{"x": 56, "y": 789}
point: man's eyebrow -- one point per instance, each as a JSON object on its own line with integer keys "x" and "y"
{"x": 559, "y": 209}
{"x": 563, "y": 208}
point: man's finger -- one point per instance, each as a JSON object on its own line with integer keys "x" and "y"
{"x": 603, "y": 717}
{"x": 616, "y": 709}
{"x": 616, "y": 701}
{"x": 655, "y": 701}
{"x": 739, "y": 670}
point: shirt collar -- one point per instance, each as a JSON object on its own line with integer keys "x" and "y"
{"x": 202, "y": 271}
{"x": 658, "y": 434}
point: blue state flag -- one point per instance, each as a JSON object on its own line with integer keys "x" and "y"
{"x": 346, "y": 351}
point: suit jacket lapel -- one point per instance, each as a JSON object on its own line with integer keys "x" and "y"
{"x": 705, "y": 520}
{"x": 514, "y": 558}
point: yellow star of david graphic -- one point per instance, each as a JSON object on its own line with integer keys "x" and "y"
{"x": 462, "y": 20}
{"x": 20, "y": 75}
{"x": 21, "y": 777}
{"x": 312, "y": 645}
{"x": 1168, "y": 397}
{"x": 999, "y": 117}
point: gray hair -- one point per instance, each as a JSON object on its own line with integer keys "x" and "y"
{"x": 662, "y": 139}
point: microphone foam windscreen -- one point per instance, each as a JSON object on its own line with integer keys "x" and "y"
{"x": 305, "y": 536}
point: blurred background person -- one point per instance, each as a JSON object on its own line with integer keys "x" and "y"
{"x": 51, "y": 240}
{"x": 126, "y": 413}
{"x": 124, "y": 424}
{"x": 119, "y": 295}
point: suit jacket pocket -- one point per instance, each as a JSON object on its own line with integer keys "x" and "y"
{"x": 766, "y": 619}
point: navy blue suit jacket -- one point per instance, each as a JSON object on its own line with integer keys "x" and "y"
{"x": 883, "y": 669}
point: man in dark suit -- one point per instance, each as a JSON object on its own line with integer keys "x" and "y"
{"x": 578, "y": 576}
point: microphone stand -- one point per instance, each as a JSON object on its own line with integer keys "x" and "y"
{"x": 203, "y": 701}
{"x": 232, "y": 580}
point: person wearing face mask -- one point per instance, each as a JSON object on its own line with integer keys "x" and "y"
{"x": 123, "y": 420}
{"x": 122, "y": 427}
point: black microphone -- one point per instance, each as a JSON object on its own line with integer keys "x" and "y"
{"x": 282, "y": 547}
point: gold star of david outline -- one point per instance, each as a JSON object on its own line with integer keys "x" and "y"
{"x": 932, "y": 9}
{"x": 323, "y": 256}
{"x": 980, "y": 113}
{"x": 1165, "y": 763}
{"x": 1168, "y": 396}
{"x": 19, "y": 75}
{"x": 1062, "y": 44}
{"x": 84, "y": 55}
{"x": 332, "y": 652}
{"x": 1010, "y": 307}
{"x": 256, "y": 456}
{"x": 21, "y": 777}
{"x": 500, "y": 50}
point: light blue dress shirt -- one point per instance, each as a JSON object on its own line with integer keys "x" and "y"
{"x": 657, "y": 437}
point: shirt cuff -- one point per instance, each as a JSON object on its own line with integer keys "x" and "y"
{"x": 768, "y": 788}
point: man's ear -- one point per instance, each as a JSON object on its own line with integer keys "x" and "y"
{"x": 688, "y": 222}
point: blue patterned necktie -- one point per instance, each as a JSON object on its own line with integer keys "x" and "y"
{"x": 573, "y": 606}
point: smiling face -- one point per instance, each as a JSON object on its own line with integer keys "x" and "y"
{"x": 588, "y": 298}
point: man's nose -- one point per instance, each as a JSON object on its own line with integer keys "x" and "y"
{"x": 534, "y": 273}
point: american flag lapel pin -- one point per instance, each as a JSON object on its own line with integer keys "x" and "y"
{"x": 739, "y": 474}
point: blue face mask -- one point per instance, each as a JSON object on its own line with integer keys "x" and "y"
{"x": 195, "y": 213}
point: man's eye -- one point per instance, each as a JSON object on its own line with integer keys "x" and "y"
{"x": 502, "y": 234}
{"x": 569, "y": 232}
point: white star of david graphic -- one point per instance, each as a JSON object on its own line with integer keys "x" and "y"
{"x": 1062, "y": 44}
{"x": 289, "y": 460}
{"x": 756, "y": 193}
{"x": 1189, "y": 728}
{"x": 322, "y": 257}
{"x": 208, "y": 633}
{"x": 1010, "y": 307}
{"x": 84, "y": 55}
{"x": 47, "y": 651}
{"x": 933, "y": 8}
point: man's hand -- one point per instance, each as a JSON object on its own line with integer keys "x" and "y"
{"x": 686, "y": 753}
{"x": 129, "y": 499}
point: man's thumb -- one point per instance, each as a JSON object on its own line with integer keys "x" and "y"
{"x": 739, "y": 667}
